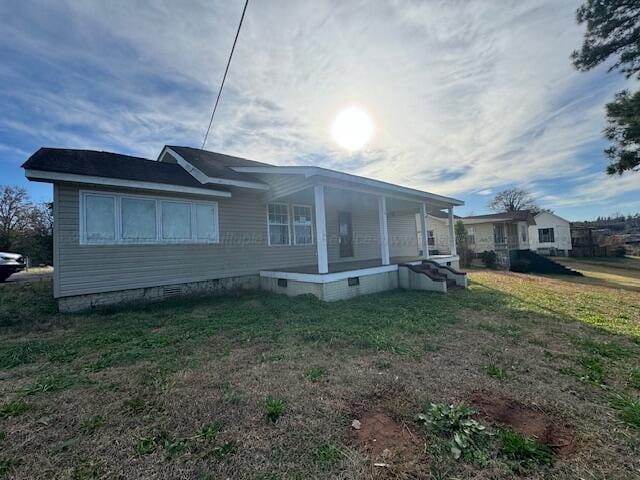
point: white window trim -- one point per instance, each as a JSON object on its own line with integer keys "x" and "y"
{"x": 159, "y": 238}
{"x": 293, "y": 221}
{"x": 288, "y": 224}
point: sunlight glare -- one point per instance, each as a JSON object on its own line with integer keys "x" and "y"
{"x": 352, "y": 128}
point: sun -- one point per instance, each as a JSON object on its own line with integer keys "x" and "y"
{"x": 352, "y": 128}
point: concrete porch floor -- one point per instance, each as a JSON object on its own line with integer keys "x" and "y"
{"x": 345, "y": 266}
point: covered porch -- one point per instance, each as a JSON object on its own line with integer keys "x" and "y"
{"x": 360, "y": 237}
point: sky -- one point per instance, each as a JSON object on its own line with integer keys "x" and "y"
{"x": 466, "y": 97}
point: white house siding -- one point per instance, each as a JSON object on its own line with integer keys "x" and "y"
{"x": 403, "y": 237}
{"x": 483, "y": 237}
{"x": 561, "y": 229}
{"x": 440, "y": 230}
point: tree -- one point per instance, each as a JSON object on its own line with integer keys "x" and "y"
{"x": 14, "y": 206}
{"x": 25, "y": 227}
{"x": 462, "y": 245}
{"x": 613, "y": 30}
{"x": 513, "y": 200}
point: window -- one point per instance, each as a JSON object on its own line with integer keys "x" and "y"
{"x": 99, "y": 218}
{"x": 546, "y": 235}
{"x": 278, "y": 223}
{"x": 176, "y": 220}
{"x": 206, "y": 222}
{"x": 138, "y": 219}
{"x": 302, "y": 228}
{"x": 471, "y": 235}
{"x": 131, "y": 219}
{"x": 431, "y": 239}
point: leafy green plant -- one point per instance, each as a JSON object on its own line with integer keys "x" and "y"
{"x": 145, "y": 446}
{"x": 496, "y": 372}
{"x": 224, "y": 450}
{"x": 209, "y": 431}
{"x": 274, "y": 408}
{"x": 315, "y": 374}
{"x": 519, "y": 448}
{"x": 14, "y": 408}
{"x": 466, "y": 434}
{"x": 92, "y": 424}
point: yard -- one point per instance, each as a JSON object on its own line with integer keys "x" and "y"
{"x": 260, "y": 386}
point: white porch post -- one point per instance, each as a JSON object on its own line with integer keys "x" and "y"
{"x": 321, "y": 229}
{"x": 424, "y": 229}
{"x": 452, "y": 233}
{"x": 384, "y": 231}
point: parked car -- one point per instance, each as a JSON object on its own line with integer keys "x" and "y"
{"x": 10, "y": 263}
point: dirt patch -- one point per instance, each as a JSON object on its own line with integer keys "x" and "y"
{"x": 525, "y": 420}
{"x": 384, "y": 438}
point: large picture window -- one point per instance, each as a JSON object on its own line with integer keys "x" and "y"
{"x": 546, "y": 235}
{"x": 107, "y": 219}
{"x": 302, "y": 225}
{"x": 278, "y": 223}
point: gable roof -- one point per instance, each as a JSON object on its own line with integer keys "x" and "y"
{"x": 521, "y": 215}
{"x": 213, "y": 164}
{"x": 107, "y": 165}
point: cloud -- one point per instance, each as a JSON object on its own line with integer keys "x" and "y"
{"x": 466, "y": 96}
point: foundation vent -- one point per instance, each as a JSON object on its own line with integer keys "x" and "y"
{"x": 168, "y": 292}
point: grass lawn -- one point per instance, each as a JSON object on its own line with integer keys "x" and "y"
{"x": 260, "y": 386}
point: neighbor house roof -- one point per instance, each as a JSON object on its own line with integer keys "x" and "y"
{"x": 94, "y": 167}
{"x": 521, "y": 215}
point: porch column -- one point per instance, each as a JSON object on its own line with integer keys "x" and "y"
{"x": 384, "y": 232}
{"x": 321, "y": 229}
{"x": 424, "y": 229}
{"x": 452, "y": 233}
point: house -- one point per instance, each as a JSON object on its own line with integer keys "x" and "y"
{"x": 129, "y": 228}
{"x": 503, "y": 233}
{"x": 551, "y": 235}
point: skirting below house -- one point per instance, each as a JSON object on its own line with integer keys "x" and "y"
{"x": 79, "y": 303}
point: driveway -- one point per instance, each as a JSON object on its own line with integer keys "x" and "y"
{"x": 33, "y": 275}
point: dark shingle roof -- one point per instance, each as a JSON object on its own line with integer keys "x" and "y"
{"x": 112, "y": 165}
{"x": 216, "y": 165}
{"x": 522, "y": 215}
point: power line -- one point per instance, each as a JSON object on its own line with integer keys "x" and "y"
{"x": 215, "y": 106}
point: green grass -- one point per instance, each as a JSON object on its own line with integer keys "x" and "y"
{"x": 91, "y": 424}
{"x": 328, "y": 453}
{"x": 628, "y": 409}
{"x": 274, "y": 408}
{"x": 14, "y": 408}
{"x": 315, "y": 374}
{"x": 519, "y": 448}
{"x": 496, "y": 372}
{"x": 6, "y": 466}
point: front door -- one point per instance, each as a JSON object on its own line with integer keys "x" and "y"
{"x": 345, "y": 230}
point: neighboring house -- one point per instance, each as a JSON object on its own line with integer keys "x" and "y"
{"x": 128, "y": 228}
{"x": 502, "y": 233}
{"x": 551, "y": 235}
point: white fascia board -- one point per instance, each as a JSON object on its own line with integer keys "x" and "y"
{"x": 204, "y": 178}
{"x": 312, "y": 171}
{"x": 40, "y": 175}
{"x": 328, "y": 277}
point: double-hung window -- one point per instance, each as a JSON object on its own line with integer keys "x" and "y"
{"x": 546, "y": 235}
{"x": 110, "y": 218}
{"x": 278, "y": 223}
{"x": 302, "y": 225}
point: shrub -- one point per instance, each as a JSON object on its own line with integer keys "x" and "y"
{"x": 620, "y": 251}
{"x": 490, "y": 259}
